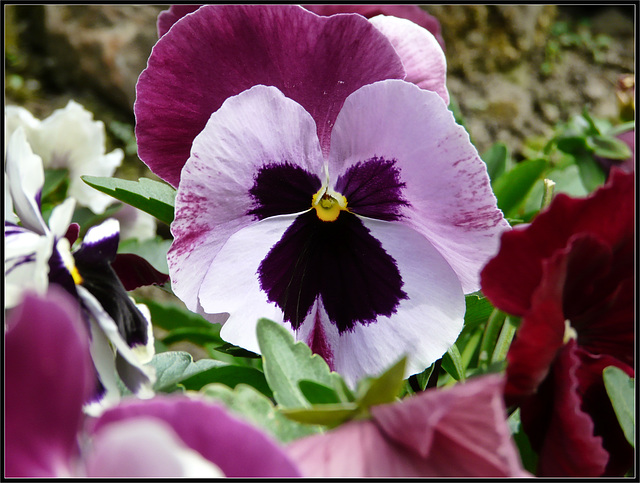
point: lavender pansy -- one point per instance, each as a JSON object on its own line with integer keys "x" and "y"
{"x": 218, "y": 51}
{"x": 49, "y": 376}
{"x": 70, "y": 139}
{"x": 364, "y": 253}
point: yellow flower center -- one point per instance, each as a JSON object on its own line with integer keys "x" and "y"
{"x": 64, "y": 248}
{"x": 569, "y": 332}
{"x": 328, "y": 204}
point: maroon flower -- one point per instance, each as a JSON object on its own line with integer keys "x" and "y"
{"x": 569, "y": 275}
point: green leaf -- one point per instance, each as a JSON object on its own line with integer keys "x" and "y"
{"x": 317, "y": 393}
{"x": 174, "y": 367}
{"x": 153, "y": 197}
{"x": 621, "y": 390}
{"x": 330, "y": 415}
{"x": 424, "y": 376}
{"x": 504, "y": 339}
{"x": 490, "y": 336}
{"x": 170, "y": 316}
{"x": 567, "y": 181}
{"x": 452, "y": 363}
{"x": 572, "y": 144}
{"x": 384, "y": 388}
{"x": 254, "y": 407}
{"x": 609, "y": 147}
{"x": 528, "y": 456}
{"x": 478, "y": 309}
{"x": 496, "y": 160}
{"x": 197, "y": 335}
{"x": 287, "y": 362}
{"x": 153, "y": 250}
{"x": 591, "y": 173}
{"x": 228, "y": 374}
{"x": 512, "y": 188}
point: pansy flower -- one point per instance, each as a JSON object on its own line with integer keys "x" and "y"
{"x": 37, "y": 255}
{"x": 570, "y": 276}
{"x": 218, "y": 51}
{"x": 48, "y": 379}
{"x": 69, "y": 139}
{"x": 460, "y": 431}
{"x": 364, "y": 253}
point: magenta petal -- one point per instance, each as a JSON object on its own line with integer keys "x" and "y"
{"x": 221, "y": 50}
{"x": 48, "y": 377}
{"x": 237, "y": 448}
{"x": 168, "y": 17}
{"x": 410, "y": 12}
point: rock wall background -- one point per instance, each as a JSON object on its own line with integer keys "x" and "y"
{"x": 513, "y": 70}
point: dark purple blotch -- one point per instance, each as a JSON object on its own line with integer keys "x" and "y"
{"x": 373, "y": 188}
{"x": 282, "y": 188}
{"x": 341, "y": 262}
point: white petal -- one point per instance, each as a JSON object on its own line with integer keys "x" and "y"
{"x": 25, "y": 177}
{"x": 70, "y": 138}
{"x": 60, "y": 218}
{"x": 231, "y": 284}
{"x": 26, "y": 263}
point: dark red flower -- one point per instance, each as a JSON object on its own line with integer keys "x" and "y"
{"x": 570, "y": 276}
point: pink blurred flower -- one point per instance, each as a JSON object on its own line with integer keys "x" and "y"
{"x": 48, "y": 378}
{"x": 456, "y": 432}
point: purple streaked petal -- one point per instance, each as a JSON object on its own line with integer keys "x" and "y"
{"x": 231, "y": 284}
{"x": 48, "y": 377}
{"x": 25, "y": 177}
{"x": 434, "y": 305}
{"x": 144, "y": 448}
{"x": 26, "y": 257}
{"x": 446, "y": 181}
{"x": 250, "y": 131}
{"x": 237, "y": 448}
{"x": 219, "y": 51}
{"x": 134, "y": 271}
{"x": 420, "y": 52}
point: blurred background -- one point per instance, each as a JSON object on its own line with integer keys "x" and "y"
{"x": 514, "y": 71}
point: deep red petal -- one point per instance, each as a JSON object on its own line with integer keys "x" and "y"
{"x": 569, "y": 448}
{"x": 134, "y": 271}
{"x": 509, "y": 279}
{"x": 596, "y": 402}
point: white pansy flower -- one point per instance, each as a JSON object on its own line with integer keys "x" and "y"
{"x": 71, "y": 139}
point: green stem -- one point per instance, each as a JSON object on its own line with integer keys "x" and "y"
{"x": 504, "y": 340}
{"x": 491, "y": 331}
